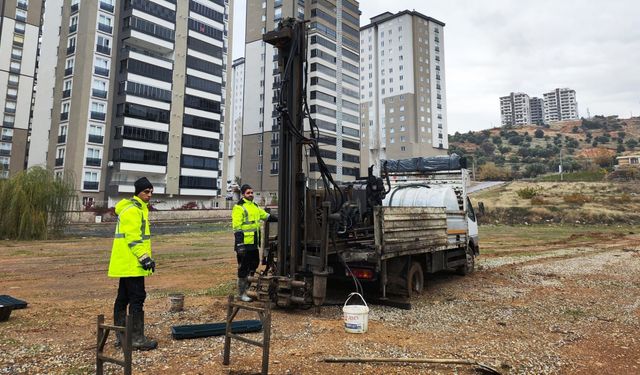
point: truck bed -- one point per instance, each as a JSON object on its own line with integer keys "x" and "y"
{"x": 409, "y": 230}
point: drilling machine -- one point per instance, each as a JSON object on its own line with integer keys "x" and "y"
{"x": 344, "y": 230}
{"x": 297, "y": 259}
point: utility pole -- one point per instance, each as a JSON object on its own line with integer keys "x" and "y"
{"x": 560, "y": 167}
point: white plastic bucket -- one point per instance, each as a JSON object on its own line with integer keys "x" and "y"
{"x": 356, "y": 317}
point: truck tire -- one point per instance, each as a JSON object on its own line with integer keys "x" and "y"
{"x": 415, "y": 280}
{"x": 470, "y": 263}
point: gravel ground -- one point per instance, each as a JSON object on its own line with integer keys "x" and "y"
{"x": 535, "y": 310}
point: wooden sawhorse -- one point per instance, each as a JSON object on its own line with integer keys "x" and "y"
{"x": 265, "y": 317}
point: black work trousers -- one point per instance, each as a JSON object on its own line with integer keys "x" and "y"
{"x": 131, "y": 293}
{"x": 248, "y": 263}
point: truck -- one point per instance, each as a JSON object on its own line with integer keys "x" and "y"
{"x": 384, "y": 231}
{"x": 425, "y": 224}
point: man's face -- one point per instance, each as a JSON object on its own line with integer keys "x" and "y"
{"x": 145, "y": 195}
{"x": 248, "y": 194}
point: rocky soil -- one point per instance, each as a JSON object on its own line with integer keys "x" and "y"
{"x": 567, "y": 303}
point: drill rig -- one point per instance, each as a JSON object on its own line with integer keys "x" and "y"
{"x": 338, "y": 230}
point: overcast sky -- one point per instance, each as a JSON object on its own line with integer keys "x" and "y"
{"x": 494, "y": 47}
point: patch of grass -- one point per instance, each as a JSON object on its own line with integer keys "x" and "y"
{"x": 588, "y": 176}
{"x": 528, "y": 192}
{"x": 577, "y": 198}
{"x": 575, "y": 314}
{"x": 537, "y": 201}
{"x": 221, "y": 290}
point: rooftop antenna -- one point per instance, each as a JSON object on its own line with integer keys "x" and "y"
{"x": 588, "y": 113}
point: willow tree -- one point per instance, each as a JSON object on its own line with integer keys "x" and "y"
{"x": 33, "y": 204}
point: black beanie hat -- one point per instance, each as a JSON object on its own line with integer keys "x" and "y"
{"x": 142, "y": 184}
{"x": 244, "y": 188}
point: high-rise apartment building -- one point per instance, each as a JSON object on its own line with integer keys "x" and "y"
{"x": 332, "y": 88}
{"x": 234, "y": 136}
{"x": 515, "y": 109}
{"x": 402, "y": 87}
{"x": 560, "y": 105}
{"x": 536, "y": 106}
{"x": 139, "y": 91}
{"x": 19, "y": 35}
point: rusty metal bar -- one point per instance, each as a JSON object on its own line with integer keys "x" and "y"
{"x": 102, "y": 336}
{"x": 265, "y": 318}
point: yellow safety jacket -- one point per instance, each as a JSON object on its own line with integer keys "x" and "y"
{"x": 132, "y": 239}
{"x": 246, "y": 217}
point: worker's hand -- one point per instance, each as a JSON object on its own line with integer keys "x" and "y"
{"x": 272, "y": 218}
{"x": 147, "y": 263}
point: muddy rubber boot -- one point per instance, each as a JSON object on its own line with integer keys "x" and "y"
{"x": 243, "y": 284}
{"x": 139, "y": 341}
{"x": 119, "y": 319}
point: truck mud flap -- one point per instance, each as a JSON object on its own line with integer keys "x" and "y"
{"x": 195, "y": 331}
{"x": 15, "y": 303}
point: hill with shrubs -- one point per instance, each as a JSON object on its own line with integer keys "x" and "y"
{"x": 587, "y": 148}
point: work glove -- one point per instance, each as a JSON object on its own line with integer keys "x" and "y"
{"x": 147, "y": 263}
{"x": 272, "y": 218}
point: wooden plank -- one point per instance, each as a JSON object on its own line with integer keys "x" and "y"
{"x": 413, "y": 235}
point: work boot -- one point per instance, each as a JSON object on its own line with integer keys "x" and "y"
{"x": 243, "y": 284}
{"x": 119, "y": 319}
{"x": 139, "y": 341}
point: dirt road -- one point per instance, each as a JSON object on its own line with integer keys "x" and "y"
{"x": 544, "y": 300}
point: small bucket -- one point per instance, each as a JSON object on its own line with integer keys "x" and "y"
{"x": 356, "y": 317}
{"x": 177, "y": 302}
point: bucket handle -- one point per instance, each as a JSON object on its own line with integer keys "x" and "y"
{"x": 356, "y": 294}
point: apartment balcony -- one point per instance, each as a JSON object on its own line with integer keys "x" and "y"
{"x": 101, "y": 71}
{"x": 274, "y": 157}
{"x": 9, "y": 110}
{"x": 103, "y": 49}
{"x": 71, "y": 50}
{"x": 62, "y": 138}
{"x": 105, "y": 28}
{"x": 68, "y": 71}
{"x": 7, "y": 124}
{"x": 22, "y": 5}
{"x": 96, "y": 138}
{"x": 148, "y": 40}
{"x": 66, "y": 93}
{"x": 107, "y": 7}
{"x": 74, "y": 8}
{"x": 6, "y": 138}
{"x": 98, "y": 115}
{"x": 273, "y": 171}
{"x": 275, "y": 142}
{"x": 4, "y": 167}
{"x": 12, "y": 84}
{"x": 99, "y": 93}
{"x": 12, "y": 96}
{"x": 59, "y": 162}
{"x": 90, "y": 185}
{"x": 16, "y": 57}
{"x": 73, "y": 28}
{"x": 21, "y": 18}
{"x": 64, "y": 116}
{"x": 18, "y": 31}
{"x": 93, "y": 162}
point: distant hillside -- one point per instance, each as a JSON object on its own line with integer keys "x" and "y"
{"x": 528, "y": 151}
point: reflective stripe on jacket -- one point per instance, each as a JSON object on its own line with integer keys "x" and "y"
{"x": 246, "y": 219}
{"x": 132, "y": 239}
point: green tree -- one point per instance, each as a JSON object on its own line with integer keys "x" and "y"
{"x": 539, "y": 133}
{"x": 34, "y": 205}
